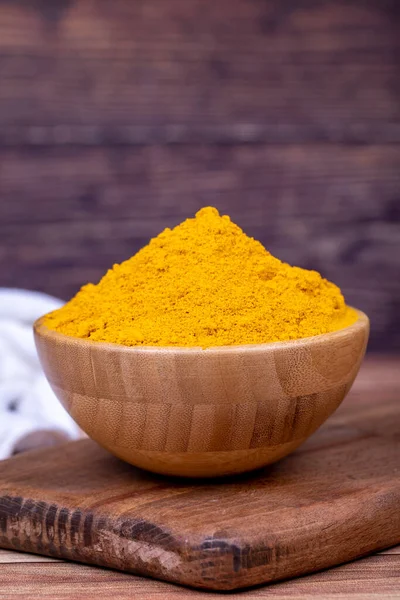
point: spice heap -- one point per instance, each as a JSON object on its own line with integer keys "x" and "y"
{"x": 203, "y": 283}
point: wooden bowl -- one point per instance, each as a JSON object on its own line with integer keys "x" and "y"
{"x": 195, "y": 412}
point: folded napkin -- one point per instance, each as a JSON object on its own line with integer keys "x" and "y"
{"x": 30, "y": 414}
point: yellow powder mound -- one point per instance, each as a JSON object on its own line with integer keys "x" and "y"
{"x": 203, "y": 283}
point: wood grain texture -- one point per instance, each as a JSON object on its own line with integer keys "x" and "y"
{"x": 373, "y": 578}
{"x": 195, "y": 412}
{"x": 8, "y": 557}
{"x": 75, "y": 72}
{"x": 333, "y": 500}
{"x": 262, "y": 186}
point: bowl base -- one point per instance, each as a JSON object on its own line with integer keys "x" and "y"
{"x": 205, "y": 464}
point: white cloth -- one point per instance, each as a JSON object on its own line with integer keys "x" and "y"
{"x": 27, "y": 403}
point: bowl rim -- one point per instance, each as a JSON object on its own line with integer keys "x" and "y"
{"x": 362, "y": 323}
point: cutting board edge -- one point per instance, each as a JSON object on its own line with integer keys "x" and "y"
{"x": 209, "y": 585}
{"x": 19, "y": 518}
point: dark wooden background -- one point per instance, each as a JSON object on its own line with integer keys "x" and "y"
{"x": 119, "y": 118}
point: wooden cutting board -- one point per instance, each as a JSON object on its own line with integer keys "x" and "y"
{"x": 335, "y": 499}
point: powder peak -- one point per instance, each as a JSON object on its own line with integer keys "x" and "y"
{"x": 207, "y": 211}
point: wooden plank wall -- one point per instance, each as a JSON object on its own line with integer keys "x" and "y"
{"x": 120, "y": 118}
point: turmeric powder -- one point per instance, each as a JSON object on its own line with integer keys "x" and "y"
{"x": 204, "y": 283}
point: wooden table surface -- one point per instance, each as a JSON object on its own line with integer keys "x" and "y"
{"x": 31, "y": 577}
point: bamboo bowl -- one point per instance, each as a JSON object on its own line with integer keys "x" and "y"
{"x": 195, "y": 412}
